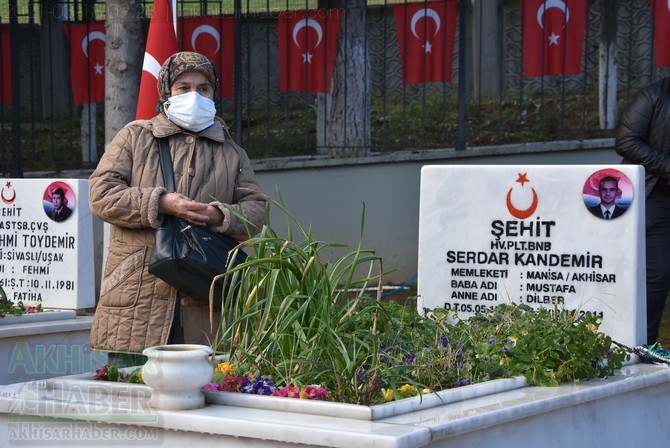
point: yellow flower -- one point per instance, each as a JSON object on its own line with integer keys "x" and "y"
{"x": 224, "y": 368}
{"x": 504, "y": 360}
{"x": 592, "y": 328}
{"x": 388, "y": 394}
{"x": 406, "y": 389}
{"x": 425, "y": 391}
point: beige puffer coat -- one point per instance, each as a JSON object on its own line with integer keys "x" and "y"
{"x": 136, "y": 309}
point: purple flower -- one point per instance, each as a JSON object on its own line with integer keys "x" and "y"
{"x": 211, "y": 386}
{"x": 259, "y": 386}
{"x": 463, "y": 382}
{"x": 361, "y": 374}
{"x": 445, "y": 341}
{"x": 490, "y": 340}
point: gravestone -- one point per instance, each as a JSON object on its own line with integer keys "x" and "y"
{"x": 535, "y": 235}
{"x": 46, "y": 258}
{"x": 46, "y": 243}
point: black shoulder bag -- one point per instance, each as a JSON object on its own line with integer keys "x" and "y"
{"x": 188, "y": 257}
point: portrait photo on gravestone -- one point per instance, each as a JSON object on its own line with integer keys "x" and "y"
{"x": 59, "y": 201}
{"x": 607, "y": 193}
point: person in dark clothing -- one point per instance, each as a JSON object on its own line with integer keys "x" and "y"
{"x": 643, "y": 138}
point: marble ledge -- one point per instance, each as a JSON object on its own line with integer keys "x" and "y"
{"x": 482, "y": 412}
{"x": 26, "y": 327}
{"x": 456, "y": 424}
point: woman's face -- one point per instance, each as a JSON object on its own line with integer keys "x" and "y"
{"x": 193, "y": 81}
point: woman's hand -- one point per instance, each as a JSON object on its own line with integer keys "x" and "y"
{"x": 195, "y": 212}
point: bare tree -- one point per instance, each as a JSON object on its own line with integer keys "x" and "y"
{"x": 124, "y": 54}
{"x": 348, "y": 123}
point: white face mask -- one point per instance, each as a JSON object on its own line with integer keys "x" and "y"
{"x": 191, "y": 111}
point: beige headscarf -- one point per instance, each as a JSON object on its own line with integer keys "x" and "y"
{"x": 179, "y": 63}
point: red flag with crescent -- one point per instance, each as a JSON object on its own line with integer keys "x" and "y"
{"x": 161, "y": 44}
{"x": 6, "y": 72}
{"x": 426, "y": 34}
{"x": 553, "y": 36}
{"x": 87, "y": 61}
{"x": 307, "y": 46}
{"x": 660, "y": 10}
{"x": 213, "y": 37}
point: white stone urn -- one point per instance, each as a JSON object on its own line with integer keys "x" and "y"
{"x": 176, "y": 373}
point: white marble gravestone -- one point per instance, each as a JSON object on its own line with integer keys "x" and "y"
{"x": 525, "y": 234}
{"x": 46, "y": 259}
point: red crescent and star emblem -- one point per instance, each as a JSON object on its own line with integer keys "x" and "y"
{"x": 9, "y": 188}
{"x": 519, "y": 213}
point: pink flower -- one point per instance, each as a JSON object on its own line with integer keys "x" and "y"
{"x": 314, "y": 393}
{"x": 287, "y": 392}
{"x": 211, "y": 386}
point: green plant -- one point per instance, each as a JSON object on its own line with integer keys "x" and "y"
{"x": 9, "y": 308}
{"x": 302, "y": 316}
{"x": 547, "y": 346}
{"x": 297, "y": 315}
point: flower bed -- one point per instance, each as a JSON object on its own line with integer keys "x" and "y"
{"x": 300, "y": 324}
{"x": 362, "y": 412}
{"x": 423, "y": 356}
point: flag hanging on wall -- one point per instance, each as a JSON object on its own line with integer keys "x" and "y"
{"x": 307, "y": 47}
{"x": 660, "y": 10}
{"x": 426, "y": 34}
{"x": 6, "y": 71}
{"x": 161, "y": 44}
{"x": 87, "y": 61}
{"x": 213, "y": 37}
{"x": 553, "y": 36}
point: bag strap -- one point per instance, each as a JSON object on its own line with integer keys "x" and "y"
{"x": 166, "y": 164}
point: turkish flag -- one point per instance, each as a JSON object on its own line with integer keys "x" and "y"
{"x": 87, "y": 61}
{"x": 553, "y": 36}
{"x": 6, "y": 72}
{"x": 307, "y": 46}
{"x": 213, "y": 37}
{"x": 161, "y": 44}
{"x": 660, "y": 10}
{"x": 426, "y": 33}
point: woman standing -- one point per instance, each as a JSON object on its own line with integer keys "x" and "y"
{"x": 212, "y": 173}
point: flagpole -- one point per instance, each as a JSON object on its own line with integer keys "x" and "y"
{"x": 17, "y": 169}
{"x": 173, "y": 6}
{"x": 237, "y": 75}
{"x": 462, "y": 80}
